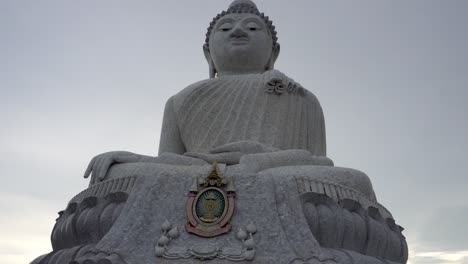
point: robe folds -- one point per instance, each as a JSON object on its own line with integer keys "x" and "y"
{"x": 269, "y": 108}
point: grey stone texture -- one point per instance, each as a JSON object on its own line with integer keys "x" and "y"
{"x": 233, "y": 108}
{"x": 267, "y": 134}
{"x": 299, "y": 218}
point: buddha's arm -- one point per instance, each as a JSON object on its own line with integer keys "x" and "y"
{"x": 170, "y": 140}
{"x": 316, "y": 142}
{"x": 171, "y": 150}
{"x": 313, "y": 139}
{"x": 231, "y": 153}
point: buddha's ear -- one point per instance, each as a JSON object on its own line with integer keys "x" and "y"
{"x": 212, "y": 69}
{"x": 274, "y": 55}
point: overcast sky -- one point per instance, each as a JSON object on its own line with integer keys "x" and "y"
{"x": 79, "y": 78}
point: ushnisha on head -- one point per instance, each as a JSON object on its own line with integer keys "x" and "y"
{"x": 241, "y": 40}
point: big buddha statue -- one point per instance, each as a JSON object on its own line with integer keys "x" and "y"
{"x": 241, "y": 176}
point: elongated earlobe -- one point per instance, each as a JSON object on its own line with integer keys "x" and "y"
{"x": 274, "y": 55}
{"x": 211, "y": 67}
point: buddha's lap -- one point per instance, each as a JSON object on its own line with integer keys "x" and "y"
{"x": 315, "y": 178}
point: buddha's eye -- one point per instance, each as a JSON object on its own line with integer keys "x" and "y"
{"x": 252, "y": 26}
{"x": 225, "y": 26}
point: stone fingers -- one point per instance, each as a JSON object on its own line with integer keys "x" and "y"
{"x": 96, "y": 169}
{"x": 99, "y": 165}
{"x": 225, "y": 157}
{"x": 127, "y": 159}
{"x": 230, "y": 147}
{"x": 228, "y": 157}
{"x": 104, "y": 167}
{"x": 90, "y": 167}
{"x": 244, "y": 146}
{"x": 203, "y": 156}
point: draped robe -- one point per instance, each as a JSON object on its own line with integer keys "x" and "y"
{"x": 232, "y": 108}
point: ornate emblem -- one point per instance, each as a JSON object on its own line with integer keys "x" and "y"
{"x": 209, "y": 206}
{"x": 243, "y": 252}
{"x": 280, "y": 84}
{"x": 275, "y": 85}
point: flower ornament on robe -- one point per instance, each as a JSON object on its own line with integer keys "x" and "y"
{"x": 275, "y": 85}
{"x": 279, "y": 83}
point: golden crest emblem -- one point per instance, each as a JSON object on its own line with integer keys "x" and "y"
{"x": 210, "y": 205}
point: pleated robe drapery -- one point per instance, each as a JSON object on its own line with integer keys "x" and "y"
{"x": 231, "y": 108}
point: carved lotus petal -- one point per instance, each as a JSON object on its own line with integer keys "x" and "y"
{"x": 159, "y": 251}
{"x": 249, "y": 254}
{"x": 275, "y": 85}
{"x": 279, "y": 89}
{"x": 163, "y": 240}
{"x": 249, "y": 243}
{"x": 166, "y": 225}
{"x": 251, "y": 228}
{"x": 241, "y": 234}
{"x": 291, "y": 87}
{"x": 173, "y": 233}
{"x": 270, "y": 89}
{"x": 205, "y": 252}
{"x": 274, "y": 81}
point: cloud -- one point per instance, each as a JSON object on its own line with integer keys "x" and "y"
{"x": 25, "y": 225}
{"x": 77, "y": 85}
{"x": 441, "y": 257}
{"x": 445, "y": 230}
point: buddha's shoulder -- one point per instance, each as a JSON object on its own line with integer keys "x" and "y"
{"x": 179, "y": 98}
{"x": 200, "y": 88}
{"x": 292, "y": 86}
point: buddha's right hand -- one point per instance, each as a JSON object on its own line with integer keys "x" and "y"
{"x": 100, "y": 164}
{"x": 231, "y": 153}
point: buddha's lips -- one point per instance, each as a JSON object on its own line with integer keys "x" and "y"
{"x": 239, "y": 40}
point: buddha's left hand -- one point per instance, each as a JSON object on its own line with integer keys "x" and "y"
{"x": 100, "y": 164}
{"x": 232, "y": 152}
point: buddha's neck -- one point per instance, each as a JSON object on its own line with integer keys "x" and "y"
{"x": 230, "y": 73}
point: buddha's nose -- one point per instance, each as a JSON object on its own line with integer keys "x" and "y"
{"x": 238, "y": 32}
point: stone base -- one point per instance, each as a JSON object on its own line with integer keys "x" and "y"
{"x": 288, "y": 214}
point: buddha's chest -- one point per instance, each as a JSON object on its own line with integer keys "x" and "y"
{"x": 241, "y": 112}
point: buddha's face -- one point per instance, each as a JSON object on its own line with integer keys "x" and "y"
{"x": 241, "y": 43}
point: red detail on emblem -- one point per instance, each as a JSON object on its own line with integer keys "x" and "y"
{"x": 209, "y": 209}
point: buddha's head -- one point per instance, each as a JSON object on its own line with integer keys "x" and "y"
{"x": 241, "y": 40}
